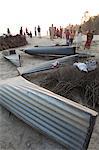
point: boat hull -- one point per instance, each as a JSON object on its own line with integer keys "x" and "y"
{"x": 58, "y": 50}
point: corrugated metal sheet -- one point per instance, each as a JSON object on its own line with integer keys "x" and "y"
{"x": 67, "y": 122}
{"x": 14, "y": 58}
{"x": 47, "y": 65}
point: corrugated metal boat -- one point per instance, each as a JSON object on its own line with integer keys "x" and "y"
{"x": 67, "y": 122}
{"x": 13, "y": 57}
{"x": 47, "y": 65}
{"x": 57, "y": 50}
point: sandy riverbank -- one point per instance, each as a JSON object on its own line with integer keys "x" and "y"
{"x": 15, "y": 134}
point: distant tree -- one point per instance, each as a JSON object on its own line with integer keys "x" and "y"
{"x": 85, "y": 17}
{"x": 92, "y": 24}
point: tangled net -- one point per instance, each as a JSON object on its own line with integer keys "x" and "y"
{"x": 74, "y": 84}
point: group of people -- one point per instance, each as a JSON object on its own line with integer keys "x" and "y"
{"x": 37, "y": 32}
{"x": 26, "y": 32}
{"x": 55, "y": 32}
{"x": 89, "y": 37}
{"x": 70, "y": 34}
{"x": 60, "y": 32}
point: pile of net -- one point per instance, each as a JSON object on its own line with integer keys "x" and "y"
{"x": 12, "y": 41}
{"x": 71, "y": 83}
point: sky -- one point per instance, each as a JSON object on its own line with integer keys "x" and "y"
{"x": 30, "y": 13}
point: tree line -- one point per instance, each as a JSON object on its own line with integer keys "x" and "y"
{"x": 92, "y": 24}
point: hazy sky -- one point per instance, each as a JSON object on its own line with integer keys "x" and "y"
{"x": 29, "y": 13}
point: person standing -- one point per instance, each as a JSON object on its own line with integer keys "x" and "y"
{"x": 8, "y": 32}
{"x": 26, "y": 31}
{"x": 71, "y": 37}
{"x": 67, "y": 33}
{"x": 39, "y": 31}
{"x": 52, "y": 32}
{"x": 24, "y": 34}
{"x": 30, "y": 34}
{"x": 21, "y": 31}
{"x": 35, "y": 32}
{"x": 79, "y": 38}
{"x": 61, "y": 30}
{"x": 57, "y": 33}
{"x": 89, "y": 39}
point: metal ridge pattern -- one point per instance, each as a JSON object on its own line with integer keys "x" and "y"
{"x": 67, "y": 122}
{"x": 57, "y": 50}
{"x": 47, "y": 65}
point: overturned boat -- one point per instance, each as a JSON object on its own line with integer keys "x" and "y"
{"x": 13, "y": 57}
{"x": 67, "y": 122}
{"x": 52, "y": 50}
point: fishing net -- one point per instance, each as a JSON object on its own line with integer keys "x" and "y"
{"x": 71, "y": 83}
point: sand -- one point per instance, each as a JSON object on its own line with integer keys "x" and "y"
{"x": 15, "y": 134}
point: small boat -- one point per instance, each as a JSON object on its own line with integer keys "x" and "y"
{"x": 52, "y": 50}
{"x": 48, "y": 65}
{"x": 13, "y": 57}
